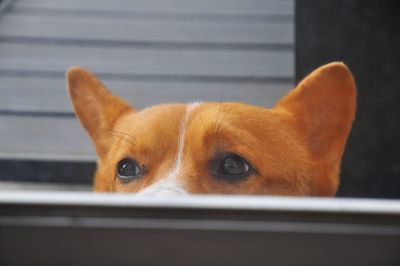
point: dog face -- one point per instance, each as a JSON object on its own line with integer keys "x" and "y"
{"x": 294, "y": 148}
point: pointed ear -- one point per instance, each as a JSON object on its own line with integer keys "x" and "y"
{"x": 97, "y": 109}
{"x": 323, "y": 106}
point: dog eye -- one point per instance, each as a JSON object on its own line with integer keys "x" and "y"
{"x": 230, "y": 166}
{"x": 128, "y": 169}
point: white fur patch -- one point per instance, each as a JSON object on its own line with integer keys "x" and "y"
{"x": 168, "y": 185}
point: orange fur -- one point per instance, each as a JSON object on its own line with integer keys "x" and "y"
{"x": 296, "y": 147}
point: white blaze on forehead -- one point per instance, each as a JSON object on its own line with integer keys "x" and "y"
{"x": 168, "y": 185}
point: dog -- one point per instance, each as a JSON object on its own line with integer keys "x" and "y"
{"x": 292, "y": 149}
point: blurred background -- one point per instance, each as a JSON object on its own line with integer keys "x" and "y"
{"x": 155, "y": 51}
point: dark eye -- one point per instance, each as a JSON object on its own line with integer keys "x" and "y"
{"x": 128, "y": 169}
{"x": 230, "y": 166}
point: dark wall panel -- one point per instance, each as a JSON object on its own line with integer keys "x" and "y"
{"x": 365, "y": 35}
{"x": 47, "y": 171}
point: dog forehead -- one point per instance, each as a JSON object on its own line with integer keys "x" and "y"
{"x": 229, "y": 114}
{"x": 166, "y": 120}
{"x": 156, "y": 118}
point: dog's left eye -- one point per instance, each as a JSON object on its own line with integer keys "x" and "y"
{"x": 128, "y": 169}
{"x": 230, "y": 166}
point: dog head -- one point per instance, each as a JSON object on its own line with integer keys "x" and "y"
{"x": 294, "y": 148}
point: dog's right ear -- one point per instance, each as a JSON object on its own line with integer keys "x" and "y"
{"x": 323, "y": 107}
{"x": 95, "y": 106}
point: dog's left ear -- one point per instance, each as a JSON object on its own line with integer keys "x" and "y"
{"x": 323, "y": 108}
{"x": 95, "y": 106}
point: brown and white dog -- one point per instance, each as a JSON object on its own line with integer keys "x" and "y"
{"x": 294, "y": 148}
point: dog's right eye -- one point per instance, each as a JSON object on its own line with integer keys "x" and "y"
{"x": 129, "y": 169}
{"x": 230, "y": 167}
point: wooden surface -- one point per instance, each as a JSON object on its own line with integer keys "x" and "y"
{"x": 81, "y": 228}
{"x": 147, "y": 51}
